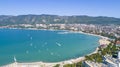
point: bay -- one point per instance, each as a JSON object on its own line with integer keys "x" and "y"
{"x": 44, "y": 45}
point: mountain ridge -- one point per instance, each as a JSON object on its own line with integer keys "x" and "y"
{"x": 56, "y": 19}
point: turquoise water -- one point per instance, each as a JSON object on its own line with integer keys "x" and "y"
{"x": 43, "y": 45}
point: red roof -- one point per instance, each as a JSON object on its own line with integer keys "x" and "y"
{"x": 118, "y": 42}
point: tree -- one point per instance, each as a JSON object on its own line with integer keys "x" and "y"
{"x": 57, "y": 65}
{"x": 70, "y": 65}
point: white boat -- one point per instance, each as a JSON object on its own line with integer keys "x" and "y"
{"x": 31, "y": 44}
{"x": 27, "y": 52}
{"x": 51, "y": 53}
{"x": 58, "y": 44}
{"x": 31, "y": 38}
{"x": 63, "y": 32}
{"x": 15, "y": 59}
{"x": 45, "y": 43}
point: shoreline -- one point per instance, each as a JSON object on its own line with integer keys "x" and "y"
{"x": 59, "y": 30}
{"x": 51, "y": 64}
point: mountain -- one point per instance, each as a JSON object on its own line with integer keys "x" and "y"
{"x": 53, "y": 19}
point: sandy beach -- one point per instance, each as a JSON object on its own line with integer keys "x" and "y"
{"x": 45, "y": 64}
{"x": 103, "y": 37}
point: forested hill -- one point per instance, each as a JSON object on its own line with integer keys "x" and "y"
{"x": 53, "y": 19}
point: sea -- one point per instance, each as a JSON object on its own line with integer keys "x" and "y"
{"x": 24, "y": 45}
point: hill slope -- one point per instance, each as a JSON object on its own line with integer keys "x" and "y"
{"x": 51, "y": 19}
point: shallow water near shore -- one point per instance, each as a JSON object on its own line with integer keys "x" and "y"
{"x": 43, "y": 45}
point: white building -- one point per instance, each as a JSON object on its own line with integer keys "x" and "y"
{"x": 119, "y": 55}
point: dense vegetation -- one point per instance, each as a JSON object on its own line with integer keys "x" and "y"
{"x": 33, "y": 19}
{"x": 57, "y": 65}
{"x": 108, "y": 35}
{"x": 79, "y": 64}
{"x": 94, "y": 57}
{"x": 70, "y": 65}
{"x": 111, "y": 49}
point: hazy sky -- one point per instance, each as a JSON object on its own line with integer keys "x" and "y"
{"x": 61, "y": 7}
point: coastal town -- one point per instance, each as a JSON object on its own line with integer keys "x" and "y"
{"x": 106, "y": 55}
{"x": 109, "y": 30}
